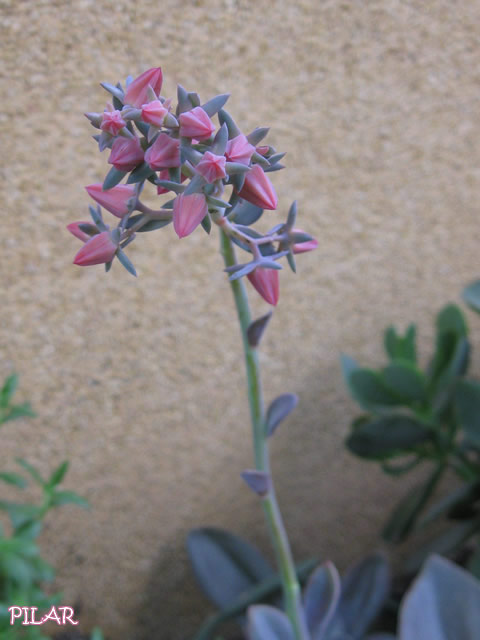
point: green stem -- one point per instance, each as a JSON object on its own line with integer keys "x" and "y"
{"x": 291, "y": 588}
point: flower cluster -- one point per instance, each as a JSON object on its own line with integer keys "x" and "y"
{"x": 183, "y": 152}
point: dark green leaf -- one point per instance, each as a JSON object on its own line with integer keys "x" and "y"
{"x": 68, "y": 497}
{"x": 369, "y": 389}
{"x": 444, "y": 544}
{"x": 402, "y": 467}
{"x": 405, "y": 380}
{"x": 401, "y": 348}
{"x": 405, "y": 514}
{"x": 387, "y": 436}
{"x": 471, "y": 295}
{"x": 224, "y": 564}
{"x": 451, "y": 319}
{"x": 113, "y": 177}
{"x": 9, "y": 387}
{"x": 58, "y": 475}
{"x": 30, "y": 469}
{"x": 465, "y": 494}
{"x": 13, "y": 479}
{"x": 18, "y": 411}
{"x": 467, "y": 408}
{"x": 207, "y": 223}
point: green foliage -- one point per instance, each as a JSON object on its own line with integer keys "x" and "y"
{"x": 414, "y": 417}
{"x": 23, "y": 571}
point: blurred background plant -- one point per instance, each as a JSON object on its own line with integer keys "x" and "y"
{"x": 24, "y": 573}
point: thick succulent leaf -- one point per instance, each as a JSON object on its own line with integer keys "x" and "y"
{"x": 224, "y": 564}
{"x": 467, "y": 493}
{"x": 113, "y": 177}
{"x": 442, "y": 604}
{"x": 364, "y": 590}
{"x": 467, "y": 408}
{"x": 405, "y": 514}
{"x": 246, "y": 213}
{"x": 405, "y": 380}
{"x": 369, "y": 389}
{"x": 321, "y": 598}
{"x": 401, "y": 347}
{"x": 256, "y": 329}
{"x": 268, "y": 623}
{"x": 387, "y": 436}
{"x": 280, "y": 408}
{"x": 471, "y": 295}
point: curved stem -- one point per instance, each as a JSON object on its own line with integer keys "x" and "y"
{"x": 291, "y": 588}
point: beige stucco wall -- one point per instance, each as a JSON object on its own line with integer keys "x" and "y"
{"x": 139, "y": 382}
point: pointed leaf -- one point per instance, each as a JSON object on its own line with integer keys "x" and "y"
{"x": 268, "y": 623}
{"x": 256, "y": 329}
{"x": 58, "y": 475}
{"x": 115, "y": 91}
{"x": 140, "y": 173}
{"x": 467, "y": 408}
{"x": 113, "y": 177}
{"x": 405, "y": 380}
{"x": 225, "y": 117}
{"x": 207, "y": 223}
{"x": 257, "y": 135}
{"x": 279, "y": 410}
{"x": 215, "y": 104}
{"x": 405, "y": 514}
{"x": 386, "y": 436}
{"x": 14, "y": 479}
{"x": 321, "y": 598}
{"x": 68, "y": 497}
{"x": 9, "y": 387}
{"x": 30, "y": 469}
{"x": 126, "y": 262}
{"x": 224, "y": 564}
{"x": 220, "y": 141}
{"x": 152, "y": 225}
{"x": 365, "y": 588}
{"x": 442, "y": 604}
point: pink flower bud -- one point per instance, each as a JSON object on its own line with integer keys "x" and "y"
{"x": 302, "y": 247}
{"x": 97, "y": 250}
{"x": 164, "y": 175}
{"x": 196, "y": 124}
{"x": 211, "y": 166}
{"x": 115, "y": 199}
{"x": 266, "y": 283}
{"x": 136, "y": 93}
{"x": 188, "y": 212}
{"x": 126, "y": 154}
{"x": 154, "y": 113}
{"x": 112, "y": 122}
{"x": 263, "y": 150}
{"x": 164, "y": 153}
{"x": 74, "y": 228}
{"x": 239, "y": 149}
{"x": 258, "y": 189}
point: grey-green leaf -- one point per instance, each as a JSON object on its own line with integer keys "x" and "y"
{"x": 471, "y": 295}
{"x": 467, "y": 408}
{"x": 268, "y": 623}
{"x": 279, "y": 409}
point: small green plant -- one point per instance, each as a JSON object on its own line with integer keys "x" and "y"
{"x": 23, "y": 571}
{"x": 414, "y": 416}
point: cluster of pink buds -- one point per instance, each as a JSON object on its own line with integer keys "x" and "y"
{"x": 181, "y": 151}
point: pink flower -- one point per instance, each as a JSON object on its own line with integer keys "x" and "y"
{"x": 97, "y": 250}
{"x": 126, "y": 154}
{"x": 136, "y": 93}
{"x": 263, "y": 150}
{"x": 266, "y": 283}
{"x": 74, "y": 228}
{"x": 154, "y": 113}
{"x": 188, "y": 212}
{"x": 258, "y": 189}
{"x": 164, "y": 175}
{"x": 112, "y": 122}
{"x": 302, "y": 247}
{"x": 239, "y": 149}
{"x": 115, "y": 199}
{"x": 211, "y": 166}
{"x": 164, "y": 153}
{"x": 196, "y": 124}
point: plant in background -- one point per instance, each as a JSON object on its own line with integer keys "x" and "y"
{"x": 23, "y": 571}
{"x": 430, "y": 417}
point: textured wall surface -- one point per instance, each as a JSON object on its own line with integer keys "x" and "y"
{"x": 139, "y": 382}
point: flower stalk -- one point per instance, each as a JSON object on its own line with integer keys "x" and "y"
{"x": 291, "y": 587}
